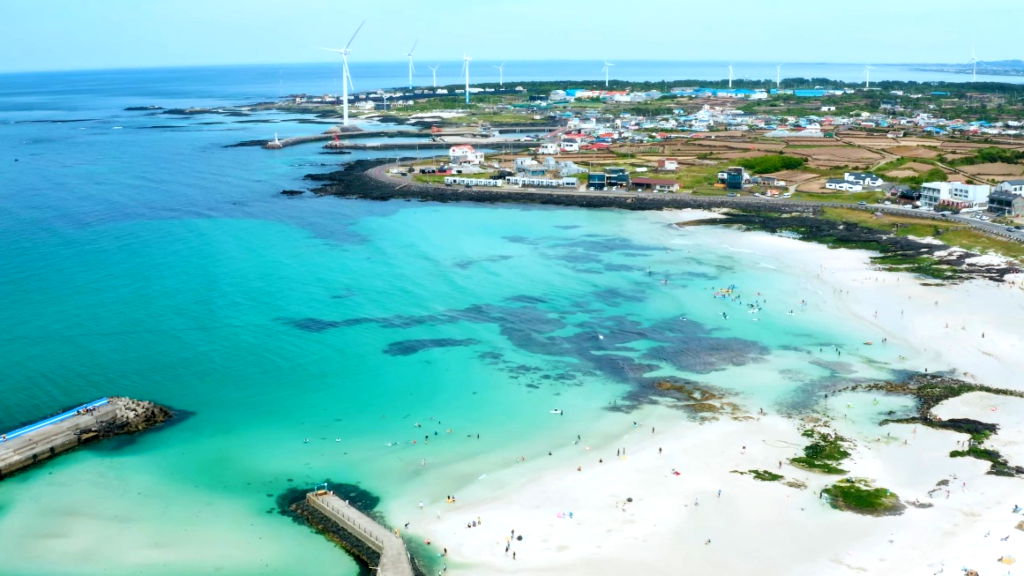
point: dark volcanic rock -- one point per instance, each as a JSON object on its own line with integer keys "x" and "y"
{"x": 410, "y": 347}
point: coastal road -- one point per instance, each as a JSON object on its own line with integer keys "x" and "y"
{"x": 408, "y": 187}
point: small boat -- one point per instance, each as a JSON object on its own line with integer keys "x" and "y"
{"x": 556, "y": 411}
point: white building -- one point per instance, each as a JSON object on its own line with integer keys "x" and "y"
{"x": 866, "y": 179}
{"x": 668, "y": 165}
{"x": 548, "y": 148}
{"x": 842, "y": 185}
{"x": 935, "y": 195}
{"x": 465, "y": 154}
{"x": 1013, "y": 186}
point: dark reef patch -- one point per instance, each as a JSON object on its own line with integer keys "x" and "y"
{"x": 468, "y": 263}
{"x": 410, "y": 347}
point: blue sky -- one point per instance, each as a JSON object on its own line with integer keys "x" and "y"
{"x": 82, "y": 34}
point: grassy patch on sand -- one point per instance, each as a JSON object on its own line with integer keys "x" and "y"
{"x": 762, "y": 475}
{"x": 860, "y": 496}
{"x": 823, "y": 453}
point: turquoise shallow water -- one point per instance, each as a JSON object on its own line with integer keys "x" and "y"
{"x": 327, "y": 338}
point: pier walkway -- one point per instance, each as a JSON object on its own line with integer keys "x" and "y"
{"x": 41, "y": 440}
{"x": 394, "y": 559}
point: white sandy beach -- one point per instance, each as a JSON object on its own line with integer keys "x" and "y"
{"x": 579, "y": 521}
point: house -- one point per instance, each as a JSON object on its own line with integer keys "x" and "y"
{"x": 1005, "y": 203}
{"x": 522, "y": 164}
{"x": 1015, "y": 186}
{"x": 907, "y": 195}
{"x": 734, "y": 178}
{"x": 936, "y": 195}
{"x": 597, "y": 180}
{"x": 618, "y": 177}
{"x": 842, "y": 185}
{"x": 668, "y": 165}
{"x": 656, "y": 184}
{"x": 769, "y": 181}
{"x": 865, "y": 179}
{"x": 548, "y": 148}
{"x": 564, "y": 168}
{"x": 465, "y": 154}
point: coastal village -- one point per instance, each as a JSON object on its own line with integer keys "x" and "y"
{"x": 284, "y": 295}
{"x": 866, "y": 145}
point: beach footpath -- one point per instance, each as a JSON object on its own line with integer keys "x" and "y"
{"x": 103, "y": 418}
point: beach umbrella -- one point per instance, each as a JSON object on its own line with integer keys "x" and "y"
{"x": 1007, "y": 559}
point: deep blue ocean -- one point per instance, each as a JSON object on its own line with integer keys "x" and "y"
{"x": 314, "y": 338}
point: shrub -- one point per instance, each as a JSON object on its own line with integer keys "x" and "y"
{"x": 771, "y": 163}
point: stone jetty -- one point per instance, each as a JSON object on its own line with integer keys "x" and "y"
{"x": 103, "y": 418}
{"x": 362, "y": 536}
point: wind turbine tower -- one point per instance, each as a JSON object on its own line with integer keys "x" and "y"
{"x": 433, "y": 71}
{"x": 974, "y": 65}
{"x": 778, "y": 77}
{"x": 607, "y": 67}
{"x": 465, "y": 68}
{"x": 867, "y": 77}
{"x": 501, "y": 75}
{"x": 730, "y": 76}
{"x": 411, "y": 67}
{"x": 346, "y": 78}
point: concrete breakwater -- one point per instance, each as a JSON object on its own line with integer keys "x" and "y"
{"x": 363, "y": 537}
{"x": 103, "y": 418}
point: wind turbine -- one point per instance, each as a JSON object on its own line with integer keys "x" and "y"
{"x": 607, "y": 66}
{"x": 465, "y": 68}
{"x": 730, "y": 76}
{"x": 778, "y": 77}
{"x": 867, "y": 76}
{"x": 346, "y": 78}
{"x": 501, "y": 75}
{"x": 974, "y": 65}
{"x": 433, "y": 70}
{"x": 411, "y": 67}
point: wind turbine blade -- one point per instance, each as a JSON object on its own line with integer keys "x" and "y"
{"x": 349, "y": 45}
{"x": 351, "y": 86}
{"x": 336, "y": 50}
{"x": 413, "y": 49}
{"x": 412, "y": 66}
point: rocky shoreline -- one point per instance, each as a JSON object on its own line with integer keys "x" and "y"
{"x": 367, "y": 180}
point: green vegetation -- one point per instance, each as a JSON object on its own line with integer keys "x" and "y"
{"x": 860, "y": 496}
{"x": 998, "y": 464}
{"x": 931, "y": 175}
{"x": 694, "y": 177}
{"x": 920, "y": 265}
{"x": 429, "y": 178}
{"x": 870, "y": 196}
{"x": 951, "y": 233}
{"x": 762, "y": 475}
{"x": 930, "y": 390}
{"x": 991, "y": 155}
{"x": 822, "y": 454}
{"x": 771, "y": 163}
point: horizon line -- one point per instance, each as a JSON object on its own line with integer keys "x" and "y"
{"x": 456, "y": 60}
